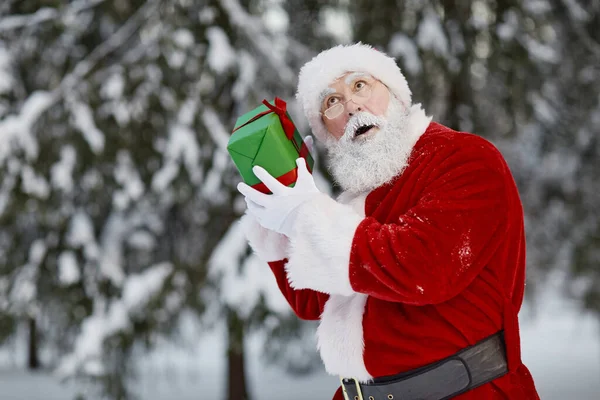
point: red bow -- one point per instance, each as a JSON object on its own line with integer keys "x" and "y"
{"x": 280, "y": 108}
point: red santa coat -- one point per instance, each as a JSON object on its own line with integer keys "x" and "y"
{"x": 417, "y": 269}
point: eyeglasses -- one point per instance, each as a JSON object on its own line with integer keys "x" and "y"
{"x": 359, "y": 97}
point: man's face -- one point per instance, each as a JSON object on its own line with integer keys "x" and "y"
{"x": 349, "y": 94}
{"x": 371, "y": 136}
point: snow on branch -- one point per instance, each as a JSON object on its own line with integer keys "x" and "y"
{"x": 215, "y": 128}
{"x": 105, "y": 321}
{"x": 17, "y": 127}
{"x": 242, "y": 288}
{"x": 45, "y": 14}
{"x": 19, "y": 21}
{"x": 253, "y": 30}
{"x": 116, "y": 41}
{"x": 578, "y": 16}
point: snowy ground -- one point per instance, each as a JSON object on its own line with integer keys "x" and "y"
{"x": 561, "y": 347}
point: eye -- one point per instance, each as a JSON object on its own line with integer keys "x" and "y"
{"x": 332, "y": 101}
{"x": 360, "y": 85}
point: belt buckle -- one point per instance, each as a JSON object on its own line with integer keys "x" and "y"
{"x": 346, "y": 397}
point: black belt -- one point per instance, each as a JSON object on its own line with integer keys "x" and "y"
{"x": 471, "y": 367}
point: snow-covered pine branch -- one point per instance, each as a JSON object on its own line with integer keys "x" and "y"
{"x": 45, "y": 14}
{"x": 252, "y": 28}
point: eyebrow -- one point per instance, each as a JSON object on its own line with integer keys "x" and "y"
{"x": 355, "y": 75}
{"x": 326, "y": 92}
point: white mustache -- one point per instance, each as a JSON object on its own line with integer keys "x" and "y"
{"x": 360, "y": 119}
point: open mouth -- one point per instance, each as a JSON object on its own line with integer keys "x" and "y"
{"x": 363, "y": 129}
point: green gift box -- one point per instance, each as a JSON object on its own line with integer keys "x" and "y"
{"x": 267, "y": 136}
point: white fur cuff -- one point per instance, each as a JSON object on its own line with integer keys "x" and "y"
{"x": 319, "y": 253}
{"x": 267, "y": 244}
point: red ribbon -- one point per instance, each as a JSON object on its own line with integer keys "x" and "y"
{"x": 280, "y": 108}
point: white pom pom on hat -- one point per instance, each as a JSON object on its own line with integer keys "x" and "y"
{"x": 320, "y": 72}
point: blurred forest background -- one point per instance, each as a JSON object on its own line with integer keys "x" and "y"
{"x": 118, "y": 206}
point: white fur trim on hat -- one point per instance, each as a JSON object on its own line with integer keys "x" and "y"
{"x": 317, "y": 74}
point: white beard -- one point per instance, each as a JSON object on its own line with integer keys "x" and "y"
{"x": 364, "y": 164}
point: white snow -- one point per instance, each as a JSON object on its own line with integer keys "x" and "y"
{"x": 430, "y": 35}
{"x": 34, "y": 184}
{"x": 4, "y": 299}
{"x": 207, "y": 15}
{"x": 83, "y": 119}
{"x": 111, "y": 245}
{"x": 215, "y": 128}
{"x": 404, "y": 47}
{"x": 253, "y": 28}
{"x": 543, "y": 109}
{"x": 248, "y": 69}
{"x": 213, "y": 181}
{"x": 220, "y": 55}
{"x": 481, "y": 15}
{"x": 17, "y": 21}
{"x": 6, "y": 78}
{"x": 183, "y": 38}
{"x": 181, "y": 148}
{"x": 68, "y": 269}
{"x": 509, "y": 26}
{"x": 576, "y": 10}
{"x": 141, "y": 240}
{"x": 113, "y": 87}
{"x": 276, "y": 19}
{"x": 37, "y": 252}
{"x": 61, "y": 173}
{"x": 8, "y": 183}
{"x": 187, "y": 112}
{"x": 176, "y": 58}
{"x": 24, "y": 290}
{"x": 16, "y": 129}
{"x": 126, "y": 174}
{"x": 138, "y": 289}
{"x": 541, "y": 51}
{"x": 163, "y": 178}
{"x": 242, "y": 288}
{"x": 336, "y": 22}
{"x": 87, "y": 352}
{"x": 81, "y": 234}
{"x": 537, "y": 7}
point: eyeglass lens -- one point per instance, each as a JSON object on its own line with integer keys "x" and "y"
{"x": 359, "y": 98}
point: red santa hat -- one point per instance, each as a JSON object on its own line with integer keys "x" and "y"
{"x": 317, "y": 74}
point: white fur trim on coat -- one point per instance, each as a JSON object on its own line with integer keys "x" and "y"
{"x": 340, "y": 333}
{"x": 340, "y": 336}
{"x": 319, "y": 254}
{"x": 266, "y": 244}
{"x": 317, "y": 74}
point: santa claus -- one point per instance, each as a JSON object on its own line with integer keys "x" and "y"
{"x": 416, "y": 271}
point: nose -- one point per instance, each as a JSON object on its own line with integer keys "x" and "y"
{"x": 352, "y": 108}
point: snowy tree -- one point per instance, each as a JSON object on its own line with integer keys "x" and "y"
{"x": 117, "y": 189}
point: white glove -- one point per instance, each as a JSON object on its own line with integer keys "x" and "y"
{"x": 276, "y": 211}
{"x": 267, "y": 244}
{"x": 310, "y": 144}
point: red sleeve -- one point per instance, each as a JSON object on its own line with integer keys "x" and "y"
{"x": 307, "y": 304}
{"x": 434, "y": 251}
